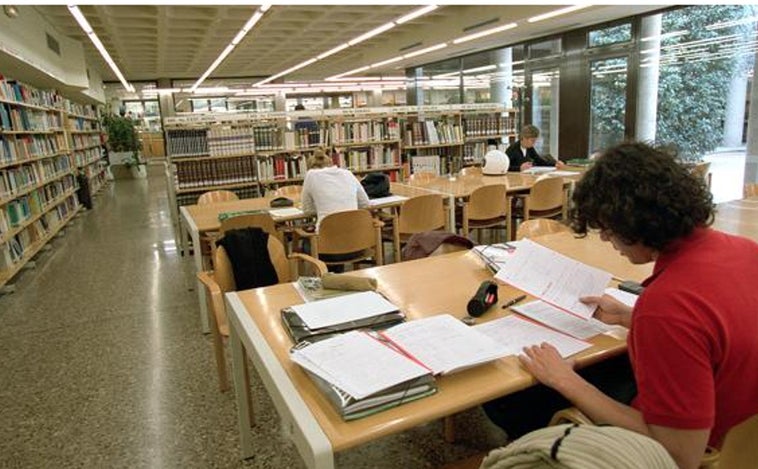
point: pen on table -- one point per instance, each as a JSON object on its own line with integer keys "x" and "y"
{"x": 513, "y": 301}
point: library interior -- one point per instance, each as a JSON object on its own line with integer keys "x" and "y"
{"x": 354, "y": 235}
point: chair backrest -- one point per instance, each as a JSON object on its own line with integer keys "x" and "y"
{"x": 224, "y": 273}
{"x": 487, "y": 202}
{"x": 546, "y": 194}
{"x": 346, "y": 232}
{"x": 540, "y": 226}
{"x": 422, "y": 177}
{"x": 422, "y": 213}
{"x": 216, "y": 196}
{"x": 285, "y": 191}
{"x": 750, "y": 189}
{"x": 701, "y": 170}
{"x": 471, "y": 171}
{"x": 260, "y": 220}
{"x": 740, "y": 448}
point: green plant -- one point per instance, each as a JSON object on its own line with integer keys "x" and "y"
{"x": 122, "y": 136}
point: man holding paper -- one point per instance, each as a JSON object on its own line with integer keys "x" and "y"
{"x": 692, "y": 333}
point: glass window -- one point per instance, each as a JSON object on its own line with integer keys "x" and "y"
{"x": 440, "y": 82}
{"x": 611, "y": 35}
{"x": 607, "y": 102}
{"x": 544, "y": 49}
{"x": 545, "y": 89}
{"x": 200, "y": 105}
{"x": 218, "y": 104}
{"x": 152, "y": 109}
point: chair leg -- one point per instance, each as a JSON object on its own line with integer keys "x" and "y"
{"x": 449, "y": 429}
{"x": 218, "y": 352}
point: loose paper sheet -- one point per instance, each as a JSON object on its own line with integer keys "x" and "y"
{"x": 341, "y": 309}
{"x": 515, "y": 333}
{"x": 558, "y": 319}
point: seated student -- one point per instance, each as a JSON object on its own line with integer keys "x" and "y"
{"x": 495, "y": 161}
{"x": 328, "y": 188}
{"x": 523, "y": 155}
{"x": 692, "y": 334}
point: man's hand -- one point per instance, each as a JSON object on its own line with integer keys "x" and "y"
{"x": 525, "y": 165}
{"x": 610, "y": 310}
{"x": 547, "y": 365}
{"x": 559, "y": 164}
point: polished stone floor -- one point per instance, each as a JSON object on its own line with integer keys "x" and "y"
{"x": 103, "y": 363}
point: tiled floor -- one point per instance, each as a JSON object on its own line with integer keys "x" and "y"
{"x": 103, "y": 363}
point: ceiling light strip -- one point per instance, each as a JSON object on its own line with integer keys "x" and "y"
{"x": 84, "y": 24}
{"x": 558, "y": 12}
{"x": 486, "y": 32}
{"x": 237, "y": 39}
{"x": 357, "y": 40}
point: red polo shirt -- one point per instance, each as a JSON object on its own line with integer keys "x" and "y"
{"x": 693, "y": 341}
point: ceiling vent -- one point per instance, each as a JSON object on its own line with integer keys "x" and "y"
{"x": 479, "y": 25}
{"x": 410, "y": 46}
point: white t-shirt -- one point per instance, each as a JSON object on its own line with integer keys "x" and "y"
{"x": 329, "y": 190}
{"x": 495, "y": 162}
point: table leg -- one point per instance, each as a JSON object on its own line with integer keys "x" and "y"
{"x": 241, "y": 378}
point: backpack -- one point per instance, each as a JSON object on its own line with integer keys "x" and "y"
{"x": 376, "y": 185}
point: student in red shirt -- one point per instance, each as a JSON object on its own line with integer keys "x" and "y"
{"x": 693, "y": 334}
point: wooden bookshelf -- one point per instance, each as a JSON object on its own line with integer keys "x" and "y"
{"x": 37, "y": 171}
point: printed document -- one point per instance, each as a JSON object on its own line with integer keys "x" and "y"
{"x": 342, "y": 309}
{"x": 553, "y": 277}
{"x": 557, "y": 319}
{"x": 515, "y": 333}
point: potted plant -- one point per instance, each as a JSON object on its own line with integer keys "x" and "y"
{"x": 123, "y": 143}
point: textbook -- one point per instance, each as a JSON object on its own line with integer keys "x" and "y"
{"x": 322, "y": 318}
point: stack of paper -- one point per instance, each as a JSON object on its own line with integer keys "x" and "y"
{"x": 338, "y": 314}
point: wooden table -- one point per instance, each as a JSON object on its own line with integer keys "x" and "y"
{"x": 198, "y": 220}
{"x": 419, "y": 288}
{"x": 738, "y": 217}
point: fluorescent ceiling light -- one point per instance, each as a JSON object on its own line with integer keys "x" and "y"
{"x": 486, "y": 32}
{"x": 558, "y": 12}
{"x": 386, "y": 62}
{"x": 415, "y": 14}
{"x": 84, "y": 24}
{"x": 426, "y": 50}
{"x": 333, "y": 51}
{"x": 726, "y": 24}
{"x": 372, "y": 33}
{"x": 237, "y": 39}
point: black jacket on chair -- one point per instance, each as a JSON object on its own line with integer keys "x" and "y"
{"x": 247, "y": 249}
{"x": 517, "y": 158}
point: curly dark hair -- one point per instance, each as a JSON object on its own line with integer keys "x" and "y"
{"x": 641, "y": 194}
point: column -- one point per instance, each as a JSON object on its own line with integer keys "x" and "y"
{"x": 751, "y": 152}
{"x": 647, "y": 90}
{"x": 501, "y": 81}
{"x": 734, "y": 118}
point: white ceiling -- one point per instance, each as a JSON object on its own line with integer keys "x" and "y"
{"x": 149, "y": 42}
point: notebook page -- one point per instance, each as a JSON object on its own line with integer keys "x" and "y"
{"x": 444, "y": 344}
{"x": 357, "y": 363}
{"x": 341, "y": 309}
{"x": 515, "y": 333}
{"x": 557, "y": 319}
{"x": 285, "y": 212}
{"x": 386, "y": 200}
{"x": 553, "y": 277}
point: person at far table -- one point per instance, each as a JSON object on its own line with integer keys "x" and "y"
{"x": 328, "y": 188}
{"x": 523, "y": 155}
{"x": 692, "y": 333}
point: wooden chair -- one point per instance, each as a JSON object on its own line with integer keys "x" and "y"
{"x": 288, "y": 191}
{"x": 547, "y": 198}
{"x": 471, "y": 171}
{"x": 221, "y": 280}
{"x": 250, "y": 220}
{"x": 701, "y": 170}
{"x": 540, "y": 226}
{"x": 212, "y": 197}
{"x": 488, "y": 207}
{"x": 206, "y": 241}
{"x": 738, "y": 450}
{"x": 750, "y": 190}
{"x": 417, "y": 215}
{"x": 346, "y": 238}
{"x": 422, "y": 177}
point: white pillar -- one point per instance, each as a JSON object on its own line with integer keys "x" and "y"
{"x": 751, "y": 152}
{"x": 734, "y": 118}
{"x": 502, "y": 80}
{"x": 647, "y": 90}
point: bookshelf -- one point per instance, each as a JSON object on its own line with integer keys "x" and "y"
{"x": 37, "y": 173}
{"x": 479, "y": 127}
{"x": 85, "y": 141}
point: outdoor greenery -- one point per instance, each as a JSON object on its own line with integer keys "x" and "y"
{"x": 691, "y": 93}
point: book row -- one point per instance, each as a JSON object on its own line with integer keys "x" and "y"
{"x": 226, "y": 141}
{"x": 81, "y": 124}
{"x": 88, "y": 156}
{"x": 208, "y": 173}
{"x": 374, "y": 157}
{"x": 17, "y": 148}
{"x": 14, "y": 250}
{"x": 432, "y": 132}
{"x": 14, "y": 90}
{"x": 489, "y": 125}
{"x": 16, "y": 179}
{"x": 25, "y": 119}
{"x": 365, "y": 131}
{"x": 278, "y": 168}
{"x": 84, "y": 141}
{"x": 17, "y": 211}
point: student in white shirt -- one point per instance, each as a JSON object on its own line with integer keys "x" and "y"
{"x": 328, "y": 188}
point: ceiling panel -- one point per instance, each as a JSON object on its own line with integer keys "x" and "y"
{"x": 149, "y": 42}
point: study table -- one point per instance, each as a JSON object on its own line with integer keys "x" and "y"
{"x": 738, "y": 217}
{"x": 419, "y": 288}
{"x": 198, "y": 220}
